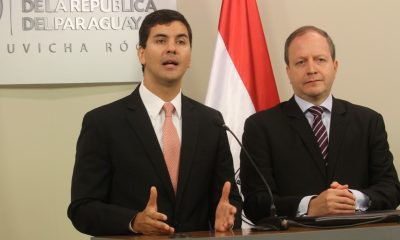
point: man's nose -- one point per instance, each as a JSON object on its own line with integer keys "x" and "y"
{"x": 311, "y": 70}
{"x": 171, "y": 47}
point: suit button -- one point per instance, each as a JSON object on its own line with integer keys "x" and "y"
{"x": 326, "y": 164}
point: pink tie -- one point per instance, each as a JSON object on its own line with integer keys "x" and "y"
{"x": 171, "y": 144}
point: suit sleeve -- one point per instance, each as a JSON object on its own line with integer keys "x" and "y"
{"x": 384, "y": 188}
{"x": 89, "y": 210}
{"x": 256, "y": 199}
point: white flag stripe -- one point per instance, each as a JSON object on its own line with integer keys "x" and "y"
{"x": 231, "y": 96}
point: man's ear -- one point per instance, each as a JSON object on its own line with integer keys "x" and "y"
{"x": 335, "y": 65}
{"x": 141, "y": 56}
{"x": 288, "y": 73}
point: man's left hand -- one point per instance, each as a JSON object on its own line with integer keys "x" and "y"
{"x": 225, "y": 213}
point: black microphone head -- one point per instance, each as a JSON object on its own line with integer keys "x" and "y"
{"x": 218, "y": 121}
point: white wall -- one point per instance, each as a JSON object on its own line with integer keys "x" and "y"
{"x": 39, "y": 125}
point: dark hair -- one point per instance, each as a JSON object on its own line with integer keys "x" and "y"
{"x": 302, "y": 30}
{"x": 162, "y": 16}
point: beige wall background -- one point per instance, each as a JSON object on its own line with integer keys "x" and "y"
{"x": 39, "y": 125}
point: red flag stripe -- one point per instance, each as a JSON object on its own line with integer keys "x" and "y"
{"x": 241, "y": 29}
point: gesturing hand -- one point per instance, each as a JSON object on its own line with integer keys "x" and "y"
{"x": 225, "y": 212}
{"x": 149, "y": 221}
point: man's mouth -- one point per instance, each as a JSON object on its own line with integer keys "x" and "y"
{"x": 313, "y": 81}
{"x": 170, "y": 62}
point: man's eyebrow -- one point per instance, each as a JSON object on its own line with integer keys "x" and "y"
{"x": 160, "y": 35}
{"x": 177, "y": 36}
{"x": 182, "y": 35}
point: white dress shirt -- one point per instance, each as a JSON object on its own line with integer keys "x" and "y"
{"x": 154, "y": 107}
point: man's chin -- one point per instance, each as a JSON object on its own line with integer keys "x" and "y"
{"x": 315, "y": 91}
{"x": 172, "y": 80}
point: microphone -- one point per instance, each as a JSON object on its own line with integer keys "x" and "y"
{"x": 273, "y": 222}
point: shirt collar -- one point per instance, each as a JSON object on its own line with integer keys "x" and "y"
{"x": 154, "y": 104}
{"x": 304, "y": 105}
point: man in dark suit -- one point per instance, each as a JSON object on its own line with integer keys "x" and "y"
{"x": 139, "y": 169}
{"x": 337, "y": 162}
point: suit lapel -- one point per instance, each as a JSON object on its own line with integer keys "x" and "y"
{"x": 140, "y": 122}
{"x": 300, "y": 124}
{"x": 190, "y": 129}
{"x": 336, "y": 134}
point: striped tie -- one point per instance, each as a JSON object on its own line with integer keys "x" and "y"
{"x": 319, "y": 130}
{"x": 171, "y": 144}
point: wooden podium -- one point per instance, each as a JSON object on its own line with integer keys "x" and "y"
{"x": 381, "y": 231}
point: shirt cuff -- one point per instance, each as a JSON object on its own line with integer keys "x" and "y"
{"x": 362, "y": 200}
{"x": 131, "y": 223}
{"x": 303, "y": 206}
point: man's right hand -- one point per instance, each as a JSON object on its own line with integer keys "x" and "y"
{"x": 149, "y": 221}
{"x": 335, "y": 200}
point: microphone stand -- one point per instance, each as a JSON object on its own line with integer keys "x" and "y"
{"x": 273, "y": 222}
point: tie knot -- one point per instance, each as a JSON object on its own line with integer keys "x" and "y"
{"x": 316, "y": 110}
{"x": 168, "y": 109}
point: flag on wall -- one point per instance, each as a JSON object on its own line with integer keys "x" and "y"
{"x": 241, "y": 81}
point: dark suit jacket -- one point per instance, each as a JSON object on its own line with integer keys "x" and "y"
{"x": 283, "y": 146}
{"x": 119, "y": 158}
